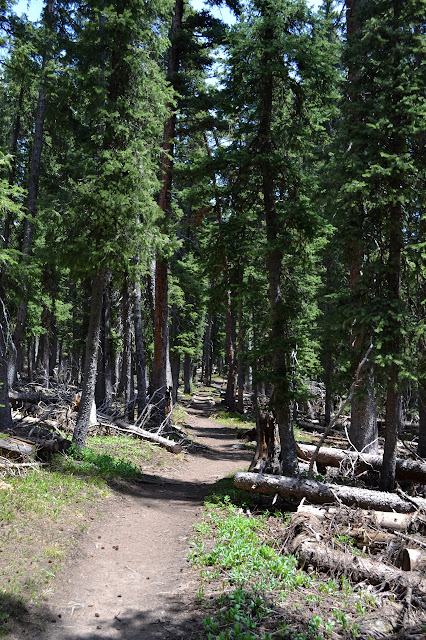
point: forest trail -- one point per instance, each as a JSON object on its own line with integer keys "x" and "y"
{"x": 131, "y": 578}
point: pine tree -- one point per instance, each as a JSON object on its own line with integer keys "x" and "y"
{"x": 382, "y": 124}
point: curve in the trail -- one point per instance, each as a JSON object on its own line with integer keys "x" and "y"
{"x": 131, "y": 578}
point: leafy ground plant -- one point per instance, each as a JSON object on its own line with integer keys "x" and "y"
{"x": 252, "y": 591}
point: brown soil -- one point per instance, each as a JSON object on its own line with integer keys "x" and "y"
{"x": 131, "y": 577}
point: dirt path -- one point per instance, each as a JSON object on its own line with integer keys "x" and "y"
{"x": 131, "y": 578}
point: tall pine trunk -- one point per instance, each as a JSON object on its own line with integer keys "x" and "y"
{"x": 187, "y": 373}
{"x": 363, "y": 430}
{"x": 6, "y": 421}
{"x": 104, "y": 389}
{"x": 421, "y": 448}
{"x": 240, "y": 391}
{"x": 274, "y": 256}
{"x": 126, "y": 379}
{"x": 230, "y": 353}
{"x": 207, "y": 352}
{"x": 393, "y": 347}
{"x": 161, "y": 394}
{"x": 90, "y": 362}
{"x": 42, "y": 364}
{"x": 139, "y": 350}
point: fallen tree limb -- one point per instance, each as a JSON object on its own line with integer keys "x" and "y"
{"x": 407, "y": 470}
{"x": 357, "y": 567}
{"x": 174, "y": 447}
{"x": 322, "y": 493}
{"x": 34, "y": 398}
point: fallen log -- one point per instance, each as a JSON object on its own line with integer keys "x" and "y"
{"x": 413, "y": 559}
{"x": 34, "y": 398}
{"x": 44, "y": 440}
{"x": 384, "y": 519}
{"x": 358, "y": 568}
{"x": 174, "y": 447}
{"x": 11, "y": 447}
{"x": 369, "y": 538}
{"x": 322, "y": 493}
{"x": 407, "y": 470}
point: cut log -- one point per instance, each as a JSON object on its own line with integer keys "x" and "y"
{"x": 357, "y": 567}
{"x": 407, "y": 470}
{"x": 11, "y": 447}
{"x": 44, "y": 440}
{"x": 413, "y": 559}
{"x": 381, "y": 519}
{"x": 174, "y": 447}
{"x": 322, "y": 493}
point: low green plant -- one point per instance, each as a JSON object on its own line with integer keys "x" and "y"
{"x": 235, "y": 543}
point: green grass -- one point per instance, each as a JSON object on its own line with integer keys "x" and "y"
{"x": 236, "y": 420}
{"x": 251, "y": 582}
{"x": 46, "y": 511}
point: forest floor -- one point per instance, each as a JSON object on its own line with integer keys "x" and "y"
{"x": 176, "y": 552}
{"x": 131, "y": 577}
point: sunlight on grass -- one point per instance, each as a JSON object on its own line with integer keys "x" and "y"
{"x": 236, "y": 420}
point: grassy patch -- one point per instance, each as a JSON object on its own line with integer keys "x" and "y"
{"x": 252, "y": 591}
{"x": 46, "y": 511}
{"x": 235, "y": 420}
{"x": 179, "y": 414}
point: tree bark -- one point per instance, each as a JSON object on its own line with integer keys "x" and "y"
{"x": 363, "y": 432}
{"x": 91, "y": 362}
{"x": 393, "y": 397}
{"x": 240, "y": 391}
{"x": 6, "y": 421}
{"x": 42, "y": 364}
{"x": 322, "y": 493}
{"x": 207, "y": 352}
{"x": 266, "y": 444}
{"x": 126, "y": 378}
{"x": 187, "y": 373}
{"x": 421, "y": 448}
{"x": 230, "y": 354}
{"x": 139, "y": 349}
{"x": 174, "y": 354}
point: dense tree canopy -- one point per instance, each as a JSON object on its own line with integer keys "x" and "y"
{"x": 244, "y": 199}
